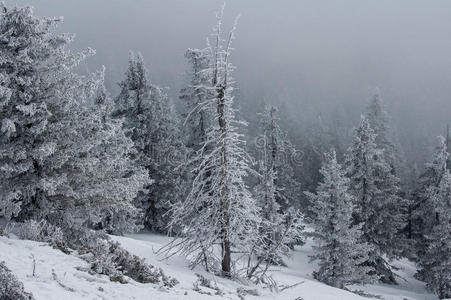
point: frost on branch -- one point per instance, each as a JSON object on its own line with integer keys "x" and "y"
{"x": 219, "y": 209}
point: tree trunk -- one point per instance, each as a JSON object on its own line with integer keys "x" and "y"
{"x": 226, "y": 258}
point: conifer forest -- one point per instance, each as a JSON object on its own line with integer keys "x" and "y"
{"x": 250, "y": 149}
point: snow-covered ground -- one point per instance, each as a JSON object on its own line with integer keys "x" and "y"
{"x": 60, "y": 276}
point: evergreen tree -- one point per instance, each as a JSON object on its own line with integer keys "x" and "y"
{"x": 340, "y": 250}
{"x": 194, "y": 95}
{"x": 436, "y": 262}
{"x": 379, "y": 121}
{"x": 378, "y": 206}
{"x": 275, "y": 191}
{"x": 89, "y": 172}
{"x": 277, "y": 153}
{"x": 168, "y": 166}
{"x": 153, "y": 127}
{"x": 27, "y": 50}
{"x": 118, "y": 178}
{"x": 265, "y": 193}
{"x": 219, "y": 209}
{"x": 424, "y": 214}
{"x": 49, "y": 130}
{"x": 385, "y": 140}
{"x": 319, "y": 138}
{"x": 279, "y": 229}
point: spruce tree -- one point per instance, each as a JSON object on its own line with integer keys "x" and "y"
{"x": 118, "y": 178}
{"x": 168, "y": 164}
{"x": 279, "y": 230}
{"x": 378, "y": 206}
{"x": 27, "y": 49}
{"x": 275, "y": 191}
{"x": 89, "y": 172}
{"x": 277, "y": 152}
{"x": 340, "y": 249}
{"x": 435, "y": 263}
{"x": 152, "y": 125}
{"x": 50, "y": 169}
{"x": 321, "y": 135}
{"x": 385, "y": 138}
{"x": 424, "y": 214}
{"x": 194, "y": 96}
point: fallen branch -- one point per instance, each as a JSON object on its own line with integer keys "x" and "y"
{"x": 55, "y": 277}
{"x": 283, "y": 288}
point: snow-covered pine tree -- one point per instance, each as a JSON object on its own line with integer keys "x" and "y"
{"x": 49, "y": 129}
{"x": 424, "y": 214}
{"x": 340, "y": 249}
{"x": 278, "y": 230}
{"x": 275, "y": 192}
{"x": 26, "y": 70}
{"x": 265, "y": 193}
{"x": 277, "y": 153}
{"x": 385, "y": 138}
{"x": 168, "y": 165}
{"x": 435, "y": 263}
{"x": 153, "y": 126}
{"x": 118, "y": 178}
{"x": 219, "y": 209}
{"x": 38, "y": 88}
{"x": 321, "y": 135}
{"x": 377, "y": 204}
{"x": 81, "y": 178}
{"x": 194, "y": 96}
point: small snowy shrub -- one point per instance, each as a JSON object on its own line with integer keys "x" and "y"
{"x": 10, "y": 287}
{"x": 109, "y": 258}
{"x": 136, "y": 268}
{"x": 40, "y": 231}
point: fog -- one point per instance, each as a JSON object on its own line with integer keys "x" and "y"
{"x": 313, "y": 57}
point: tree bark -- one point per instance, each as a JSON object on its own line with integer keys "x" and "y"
{"x": 226, "y": 255}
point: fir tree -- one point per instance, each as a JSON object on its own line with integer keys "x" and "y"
{"x": 424, "y": 214}
{"x": 385, "y": 140}
{"x": 49, "y": 124}
{"x": 277, "y": 153}
{"x": 118, "y": 178}
{"x": 278, "y": 230}
{"x": 321, "y": 136}
{"x": 435, "y": 263}
{"x": 89, "y": 172}
{"x": 153, "y": 127}
{"x": 275, "y": 191}
{"x": 26, "y": 80}
{"x": 168, "y": 164}
{"x": 340, "y": 249}
{"x": 378, "y": 207}
{"x": 194, "y": 95}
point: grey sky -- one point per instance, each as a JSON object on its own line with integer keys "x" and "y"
{"x": 312, "y": 55}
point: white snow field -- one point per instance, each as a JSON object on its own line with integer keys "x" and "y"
{"x": 61, "y": 277}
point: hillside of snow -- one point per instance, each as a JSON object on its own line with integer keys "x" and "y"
{"x": 60, "y": 276}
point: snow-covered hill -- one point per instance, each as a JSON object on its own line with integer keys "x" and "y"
{"x": 60, "y": 276}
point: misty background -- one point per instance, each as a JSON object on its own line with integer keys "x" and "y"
{"x": 311, "y": 58}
